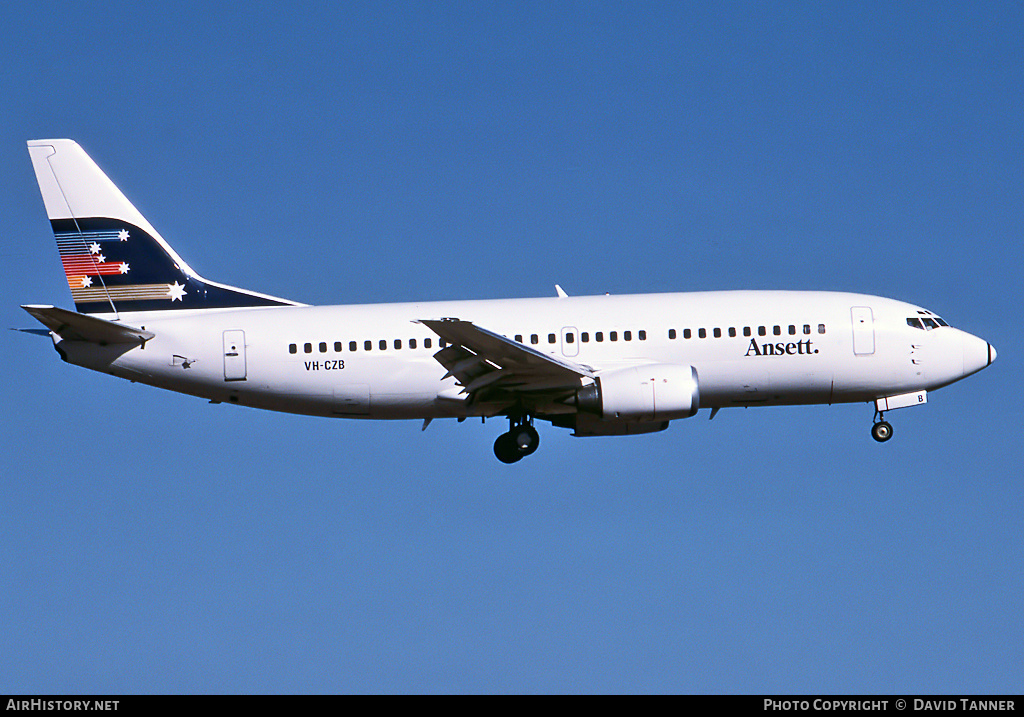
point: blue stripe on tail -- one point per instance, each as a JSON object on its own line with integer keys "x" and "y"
{"x": 113, "y": 266}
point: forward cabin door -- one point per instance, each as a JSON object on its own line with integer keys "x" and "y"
{"x": 234, "y": 355}
{"x": 863, "y": 330}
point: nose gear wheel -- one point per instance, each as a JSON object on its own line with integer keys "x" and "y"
{"x": 881, "y": 431}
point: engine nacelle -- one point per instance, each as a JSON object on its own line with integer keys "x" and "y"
{"x": 653, "y": 392}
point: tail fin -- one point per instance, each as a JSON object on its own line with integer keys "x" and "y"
{"x": 115, "y": 261}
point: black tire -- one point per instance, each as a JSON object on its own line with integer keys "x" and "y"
{"x": 881, "y": 431}
{"x": 526, "y": 439}
{"x": 506, "y": 450}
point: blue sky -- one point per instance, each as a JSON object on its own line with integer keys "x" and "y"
{"x": 374, "y": 152}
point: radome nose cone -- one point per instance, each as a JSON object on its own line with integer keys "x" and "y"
{"x": 978, "y": 354}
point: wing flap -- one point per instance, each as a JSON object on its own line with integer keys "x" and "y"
{"x": 502, "y": 351}
{"x": 491, "y": 367}
{"x": 464, "y": 365}
{"x": 72, "y": 326}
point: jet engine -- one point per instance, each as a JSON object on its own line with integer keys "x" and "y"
{"x": 652, "y": 392}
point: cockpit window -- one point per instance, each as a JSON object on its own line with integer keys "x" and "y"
{"x": 927, "y": 323}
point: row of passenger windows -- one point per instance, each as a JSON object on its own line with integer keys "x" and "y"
{"x": 367, "y": 345}
{"x": 570, "y": 337}
{"x": 747, "y": 331}
{"x": 427, "y": 343}
{"x": 599, "y": 336}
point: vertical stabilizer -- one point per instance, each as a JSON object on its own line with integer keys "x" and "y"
{"x": 114, "y": 260}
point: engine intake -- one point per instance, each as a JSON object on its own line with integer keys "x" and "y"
{"x": 653, "y": 392}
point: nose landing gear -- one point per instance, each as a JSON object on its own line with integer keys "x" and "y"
{"x": 520, "y": 441}
{"x": 881, "y": 431}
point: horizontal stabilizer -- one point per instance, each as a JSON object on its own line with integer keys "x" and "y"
{"x": 81, "y": 327}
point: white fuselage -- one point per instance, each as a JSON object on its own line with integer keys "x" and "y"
{"x": 748, "y": 348}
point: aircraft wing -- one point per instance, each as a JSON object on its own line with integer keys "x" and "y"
{"x": 81, "y": 327}
{"x": 490, "y": 366}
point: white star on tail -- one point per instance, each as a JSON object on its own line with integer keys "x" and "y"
{"x": 101, "y": 259}
{"x": 176, "y": 291}
{"x": 94, "y": 248}
{"x": 124, "y": 267}
{"x": 123, "y": 235}
{"x": 86, "y": 281}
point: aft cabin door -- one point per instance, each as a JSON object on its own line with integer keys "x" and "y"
{"x": 863, "y": 330}
{"x": 234, "y": 355}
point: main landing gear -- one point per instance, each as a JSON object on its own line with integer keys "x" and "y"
{"x": 882, "y": 430}
{"x": 521, "y": 440}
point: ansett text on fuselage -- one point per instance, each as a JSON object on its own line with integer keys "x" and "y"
{"x": 780, "y": 348}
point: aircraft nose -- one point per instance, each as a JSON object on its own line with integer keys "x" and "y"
{"x": 978, "y": 354}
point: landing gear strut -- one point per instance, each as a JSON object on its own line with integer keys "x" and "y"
{"x": 520, "y": 441}
{"x": 882, "y": 430}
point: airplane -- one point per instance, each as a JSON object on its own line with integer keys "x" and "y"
{"x": 599, "y": 365}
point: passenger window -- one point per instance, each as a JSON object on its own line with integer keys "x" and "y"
{"x": 519, "y": 338}
{"x": 792, "y": 330}
{"x": 627, "y": 335}
{"x": 398, "y": 344}
{"x": 671, "y": 333}
{"x": 552, "y": 338}
{"x": 777, "y": 330}
{"x": 383, "y": 344}
{"x": 323, "y": 347}
{"x": 642, "y": 335}
{"x": 821, "y": 328}
{"x": 807, "y": 328}
{"x": 702, "y": 333}
{"x": 292, "y": 348}
{"x": 613, "y": 335}
{"x": 585, "y": 337}
{"x": 746, "y": 331}
{"x": 599, "y": 336}
{"x": 308, "y": 348}
{"x": 427, "y": 343}
{"x": 412, "y": 343}
{"x": 687, "y": 333}
{"x": 718, "y": 333}
{"x": 337, "y": 347}
{"x": 352, "y": 346}
{"x": 762, "y": 331}
{"x": 442, "y": 343}
{"x": 732, "y": 332}
{"x": 534, "y": 339}
{"x": 569, "y": 338}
